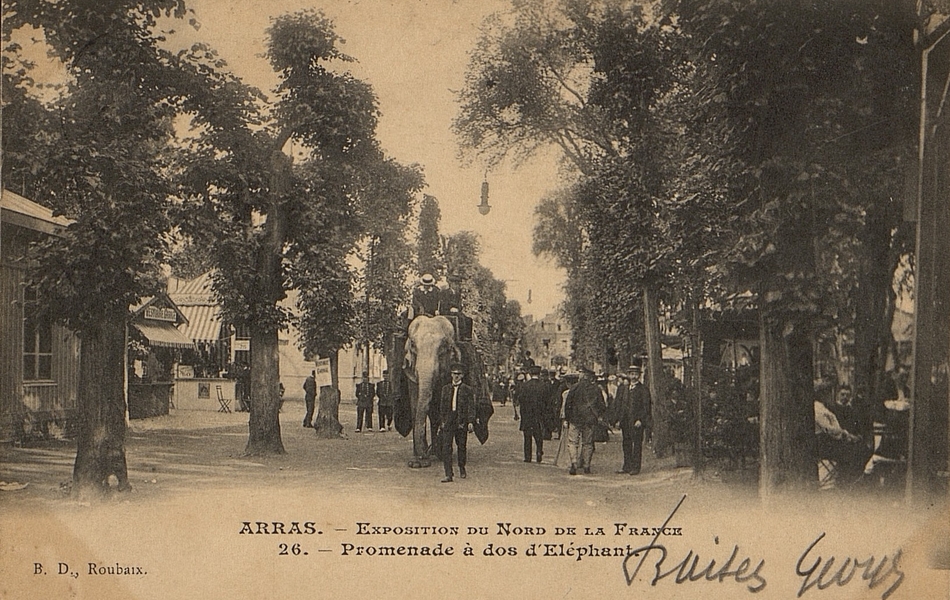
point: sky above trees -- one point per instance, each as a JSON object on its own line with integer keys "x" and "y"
{"x": 414, "y": 54}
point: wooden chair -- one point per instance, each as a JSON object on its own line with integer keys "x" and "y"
{"x": 224, "y": 403}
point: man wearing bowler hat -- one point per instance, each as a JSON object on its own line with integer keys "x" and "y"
{"x": 457, "y": 410}
{"x": 633, "y": 412}
{"x": 533, "y": 396}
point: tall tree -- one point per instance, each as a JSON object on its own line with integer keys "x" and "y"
{"x": 584, "y": 77}
{"x": 328, "y": 320}
{"x": 272, "y": 220}
{"x": 385, "y": 204}
{"x": 817, "y": 123}
{"x": 428, "y": 241}
{"x": 721, "y": 146}
{"x": 497, "y": 323}
{"x": 99, "y": 154}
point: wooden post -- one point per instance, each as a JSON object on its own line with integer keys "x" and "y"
{"x": 656, "y": 378}
{"x": 697, "y": 352}
{"x": 930, "y": 384}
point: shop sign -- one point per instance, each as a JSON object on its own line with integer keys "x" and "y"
{"x": 322, "y": 372}
{"x": 156, "y": 313}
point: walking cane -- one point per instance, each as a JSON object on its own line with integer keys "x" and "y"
{"x": 562, "y": 441}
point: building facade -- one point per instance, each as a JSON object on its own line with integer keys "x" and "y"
{"x": 549, "y": 340}
{"x": 39, "y": 360}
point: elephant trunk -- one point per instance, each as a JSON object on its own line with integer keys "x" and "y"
{"x": 426, "y": 370}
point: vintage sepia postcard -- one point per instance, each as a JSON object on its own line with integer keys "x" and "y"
{"x": 481, "y": 298}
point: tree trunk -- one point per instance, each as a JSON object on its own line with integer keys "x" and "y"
{"x": 696, "y": 435}
{"x": 787, "y": 456}
{"x": 100, "y": 448}
{"x": 874, "y": 311}
{"x": 656, "y": 380}
{"x": 335, "y": 369}
{"x": 264, "y": 421}
{"x": 929, "y": 443}
{"x": 327, "y": 424}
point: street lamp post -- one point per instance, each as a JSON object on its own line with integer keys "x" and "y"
{"x": 484, "y": 207}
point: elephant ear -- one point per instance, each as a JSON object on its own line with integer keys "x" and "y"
{"x": 409, "y": 366}
{"x": 402, "y": 408}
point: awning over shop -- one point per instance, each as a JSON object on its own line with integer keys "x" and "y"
{"x": 163, "y": 334}
{"x": 204, "y": 323}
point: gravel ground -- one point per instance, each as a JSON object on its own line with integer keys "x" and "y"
{"x": 196, "y": 498}
{"x": 191, "y": 450}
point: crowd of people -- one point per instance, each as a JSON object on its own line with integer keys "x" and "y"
{"x": 577, "y": 410}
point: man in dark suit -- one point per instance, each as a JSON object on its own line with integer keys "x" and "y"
{"x": 633, "y": 412}
{"x": 558, "y": 388}
{"x": 533, "y": 396}
{"x": 310, "y": 397}
{"x": 457, "y": 408}
{"x": 384, "y": 391}
{"x": 365, "y": 392}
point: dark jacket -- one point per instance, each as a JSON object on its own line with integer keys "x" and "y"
{"x": 619, "y": 397}
{"x": 635, "y": 407}
{"x": 365, "y": 392}
{"x": 425, "y": 300}
{"x": 384, "y": 391}
{"x": 449, "y": 298}
{"x": 465, "y": 408}
{"x": 310, "y": 387}
{"x": 584, "y": 404}
{"x": 533, "y": 394}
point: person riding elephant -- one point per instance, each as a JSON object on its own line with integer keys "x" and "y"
{"x": 450, "y": 298}
{"x": 430, "y": 349}
{"x": 425, "y": 298}
{"x": 450, "y": 305}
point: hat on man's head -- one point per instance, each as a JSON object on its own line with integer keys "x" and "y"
{"x": 457, "y": 367}
{"x": 535, "y": 370}
{"x": 428, "y": 279}
{"x": 634, "y": 368}
{"x": 385, "y": 371}
{"x": 585, "y": 370}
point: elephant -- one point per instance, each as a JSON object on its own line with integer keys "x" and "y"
{"x": 429, "y": 352}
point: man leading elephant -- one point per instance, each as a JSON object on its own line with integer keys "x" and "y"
{"x": 457, "y": 409}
